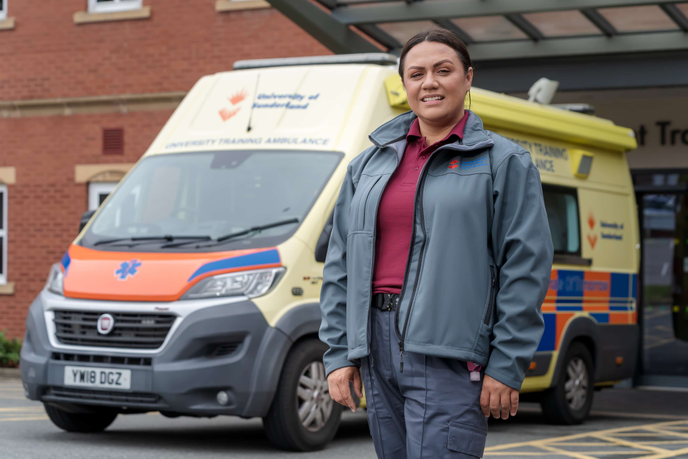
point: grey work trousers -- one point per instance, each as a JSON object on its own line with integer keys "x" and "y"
{"x": 431, "y": 410}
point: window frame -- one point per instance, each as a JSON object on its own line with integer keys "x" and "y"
{"x": 3, "y": 234}
{"x": 571, "y": 191}
{"x": 115, "y": 6}
{"x": 97, "y": 188}
{"x": 3, "y": 11}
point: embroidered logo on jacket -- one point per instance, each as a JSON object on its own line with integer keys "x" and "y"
{"x": 467, "y": 164}
{"x": 471, "y": 164}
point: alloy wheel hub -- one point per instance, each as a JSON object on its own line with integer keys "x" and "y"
{"x": 313, "y": 402}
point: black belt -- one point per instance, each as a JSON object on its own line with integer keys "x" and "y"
{"x": 385, "y": 301}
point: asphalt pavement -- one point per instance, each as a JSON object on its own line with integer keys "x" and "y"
{"x": 624, "y": 424}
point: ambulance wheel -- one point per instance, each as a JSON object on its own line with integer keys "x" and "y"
{"x": 570, "y": 399}
{"x": 80, "y": 422}
{"x": 302, "y": 416}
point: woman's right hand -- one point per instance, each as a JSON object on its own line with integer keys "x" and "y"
{"x": 338, "y": 382}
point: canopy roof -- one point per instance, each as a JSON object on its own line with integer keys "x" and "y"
{"x": 585, "y": 44}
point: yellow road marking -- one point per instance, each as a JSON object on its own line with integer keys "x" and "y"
{"x": 609, "y": 438}
{"x": 23, "y": 408}
{"x": 673, "y": 453}
{"x": 630, "y": 444}
{"x": 666, "y": 442}
{"x": 591, "y": 443}
{"x": 562, "y": 452}
{"x": 669, "y": 433}
{"x": 637, "y": 434}
{"x": 639, "y": 415}
{"x": 517, "y": 454}
{"x": 37, "y": 418}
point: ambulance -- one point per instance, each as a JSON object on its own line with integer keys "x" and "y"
{"x": 194, "y": 289}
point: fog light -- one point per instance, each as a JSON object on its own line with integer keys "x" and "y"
{"x": 222, "y": 397}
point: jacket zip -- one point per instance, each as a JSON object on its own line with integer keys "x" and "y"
{"x": 401, "y": 335}
{"x": 491, "y": 304}
{"x": 377, "y": 205}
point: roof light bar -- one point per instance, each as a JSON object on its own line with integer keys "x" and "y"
{"x": 362, "y": 58}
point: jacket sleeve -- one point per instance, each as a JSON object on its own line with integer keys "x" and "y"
{"x": 523, "y": 251}
{"x": 333, "y": 292}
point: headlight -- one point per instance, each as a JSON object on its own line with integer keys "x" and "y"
{"x": 55, "y": 280}
{"x": 247, "y": 283}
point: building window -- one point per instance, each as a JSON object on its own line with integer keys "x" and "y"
{"x": 3, "y": 9}
{"x": 562, "y": 212}
{"x": 109, "y": 6}
{"x": 97, "y": 192}
{"x": 3, "y": 234}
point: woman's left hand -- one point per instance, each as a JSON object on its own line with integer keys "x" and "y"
{"x": 498, "y": 398}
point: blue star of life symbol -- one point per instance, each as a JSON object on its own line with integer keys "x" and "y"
{"x": 126, "y": 269}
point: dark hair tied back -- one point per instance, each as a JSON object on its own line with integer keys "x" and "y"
{"x": 437, "y": 35}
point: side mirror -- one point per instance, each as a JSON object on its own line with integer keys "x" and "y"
{"x": 85, "y": 218}
{"x": 324, "y": 240}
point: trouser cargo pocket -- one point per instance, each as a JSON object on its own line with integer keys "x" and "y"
{"x": 465, "y": 441}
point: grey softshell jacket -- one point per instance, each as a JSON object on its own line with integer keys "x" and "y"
{"x": 479, "y": 262}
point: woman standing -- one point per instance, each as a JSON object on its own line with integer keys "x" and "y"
{"x": 437, "y": 266}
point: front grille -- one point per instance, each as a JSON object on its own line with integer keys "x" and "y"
{"x": 102, "y": 396}
{"x": 132, "y": 331}
{"x": 107, "y": 359}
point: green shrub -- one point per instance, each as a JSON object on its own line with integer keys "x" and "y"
{"x": 9, "y": 351}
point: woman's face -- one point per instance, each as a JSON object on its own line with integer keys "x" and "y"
{"x": 435, "y": 82}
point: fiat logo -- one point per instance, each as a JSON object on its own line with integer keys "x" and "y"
{"x": 105, "y": 324}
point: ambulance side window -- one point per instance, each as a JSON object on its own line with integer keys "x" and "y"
{"x": 561, "y": 204}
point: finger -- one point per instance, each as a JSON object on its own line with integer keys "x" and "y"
{"x": 357, "y": 384}
{"x": 345, "y": 391}
{"x": 334, "y": 392}
{"x": 485, "y": 402}
{"x": 351, "y": 391}
{"x": 506, "y": 405}
{"x": 494, "y": 405}
{"x": 514, "y": 402}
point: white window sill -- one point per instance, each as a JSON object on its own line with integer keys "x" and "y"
{"x": 84, "y": 17}
{"x": 229, "y": 5}
{"x": 7, "y": 289}
{"x": 7, "y": 24}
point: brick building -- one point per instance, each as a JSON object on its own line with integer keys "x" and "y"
{"x": 85, "y": 86}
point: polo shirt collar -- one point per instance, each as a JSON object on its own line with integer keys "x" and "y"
{"x": 414, "y": 131}
{"x": 395, "y": 130}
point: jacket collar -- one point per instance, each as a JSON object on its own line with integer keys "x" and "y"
{"x": 396, "y": 129}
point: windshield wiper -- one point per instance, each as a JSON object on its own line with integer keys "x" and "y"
{"x": 255, "y": 229}
{"x": 151, "y": 238}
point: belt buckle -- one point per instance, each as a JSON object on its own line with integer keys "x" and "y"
{"x": 391, "y": 301}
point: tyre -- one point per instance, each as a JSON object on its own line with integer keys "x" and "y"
{"x": 80, "y": 422}
{"x": 569, "y": 400}
{"x": 302, "y": 416}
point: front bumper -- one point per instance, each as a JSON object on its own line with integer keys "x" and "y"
{"x": 225, "y": 345}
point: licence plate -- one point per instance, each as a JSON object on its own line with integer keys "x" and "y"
{"x": 97, "y": 377}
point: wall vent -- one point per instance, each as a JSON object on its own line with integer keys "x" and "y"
{"x": 113, "y": 141}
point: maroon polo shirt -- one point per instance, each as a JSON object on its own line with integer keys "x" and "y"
{"x": 395, "y": 214}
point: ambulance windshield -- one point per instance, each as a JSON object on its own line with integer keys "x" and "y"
{"x": 189, "y": 201}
